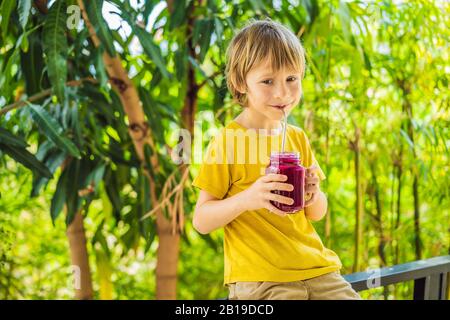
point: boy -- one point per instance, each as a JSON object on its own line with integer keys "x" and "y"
{"x": 269, "y": 254}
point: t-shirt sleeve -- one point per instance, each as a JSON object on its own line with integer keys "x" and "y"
{"x": 308, "y": 156}
{"x": 214, "y": 175}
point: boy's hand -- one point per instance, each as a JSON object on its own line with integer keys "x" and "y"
{"x": 312, "y": 185}
{"x": 259, "y": 194}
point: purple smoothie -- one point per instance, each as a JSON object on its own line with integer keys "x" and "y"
{"x": 288, "y": 163}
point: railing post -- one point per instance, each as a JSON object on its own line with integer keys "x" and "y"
{"x": 445, "y": 290}
{"x": 432, "y": 287}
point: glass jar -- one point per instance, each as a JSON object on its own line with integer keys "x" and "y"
{"x": 288, "y": 163}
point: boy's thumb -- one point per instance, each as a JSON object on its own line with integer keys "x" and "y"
{"x": 312, "y": 168}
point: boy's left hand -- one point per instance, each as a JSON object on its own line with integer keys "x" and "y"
{"x": 312, "y": 185}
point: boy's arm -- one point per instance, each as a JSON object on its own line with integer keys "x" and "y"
{"x": 211, "y": 214}
{"x": 318, "y": 209}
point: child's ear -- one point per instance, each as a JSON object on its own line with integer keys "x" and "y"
{"x": 242, "y": 89}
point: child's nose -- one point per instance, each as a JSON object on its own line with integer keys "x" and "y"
{"x": 281, "y": 91}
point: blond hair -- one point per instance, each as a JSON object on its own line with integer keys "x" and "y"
{"x": 253, "y": 44}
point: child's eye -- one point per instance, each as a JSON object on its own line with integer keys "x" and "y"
{"x": 270, "y": 81}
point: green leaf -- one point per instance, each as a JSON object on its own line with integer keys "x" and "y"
{"x": 197, "y": 66}
{"x": 9, "y": 71}
{"x": 258, "y": 6}
{"x": 312, "y": 8}
{"x": 146, "y": 204}
{"x": 8, "y": 138}
{"x": 51, "y": 128}
{"x": 100, "y": 69}
{"x": 218, "y": 29}
{"x": 27, "y": 159}
{"x": 6, "y": 11}
{"x": 181, "y": 61}
{"x": 75, "y": 125}
{"x": 5, "y": 78}
{"x": 179, "y": 15}
{"x": 96, "y": 176}
{"x": 94, "y": 11}
{"x": 55, "y": 47}
{"x": 53, "y": 162}
{"x": 32, "y": 63}
{"x": 151, "y": 235}
{"x": 100, "y": 238}
{"x": 148, "y": 8}
{"x": 407, "y": 139}
{"x": 73, "y": 201}
{"x": 24, "y": 8}
{"x": 147, "y": 157}
{"x": 113, "y": 192}
{"x": 210, "y": 241}
{"x": 345, "y": 19}
{"x": 212, "y": 5}
{"x": 150, "y": 48}
{"x": 59, "y": 197}
{"x": 156, "y": 78}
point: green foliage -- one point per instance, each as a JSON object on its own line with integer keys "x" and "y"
{"x": 24, "y": 7}
{"x": 52, "y": 129}
{"x": 55, "y": 47}
{"x": 16, "y": 148}
{"x": 7, "y": 8}
{"x": 150, "y": 48}
{"x": 375, "y": 67}
{"x": 94, "y": 11}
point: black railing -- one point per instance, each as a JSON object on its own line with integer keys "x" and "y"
{"x": 431, "y": 278}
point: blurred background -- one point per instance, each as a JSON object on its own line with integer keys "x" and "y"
{"x": 92, "y": 94}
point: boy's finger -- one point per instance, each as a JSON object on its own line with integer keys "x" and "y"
{"x": 275, "y": 210}
{"x": 311, "y": 189}
{"x": 311, "y": 171}
{"x": 281, "y": 199}
{"x": 310, "y": 201}
{"x": 280, "y": 186}
{"x": 313, "y": 168}
{"x": 314, "y": 179}
{"x": 274, "y": 177}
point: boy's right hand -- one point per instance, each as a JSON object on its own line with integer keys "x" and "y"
{"x": 259, "y": 194}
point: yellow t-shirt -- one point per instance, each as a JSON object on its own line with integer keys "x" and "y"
{"x": 260, "y": 245}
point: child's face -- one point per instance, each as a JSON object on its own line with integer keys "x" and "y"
{"x": 268, "y": 90}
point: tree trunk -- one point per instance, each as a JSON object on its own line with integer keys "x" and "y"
{"x": 379, "y": 219}
{"x": 140, "y": 133}
{"x": 417, "y": 238}
{"x": 408, "y": 112}
{"x": 190, "y": 103}
{"x": 168, "y": 250}
{"x": 167, "y": 263}
{"x": 379, "y": 224}
{"x": 190, "y": 100}
{"x": 355, "y": 146}
{"x": 80, "y": 258}
{"x": 399, "y": 204}
{"x": 396, "y": 237}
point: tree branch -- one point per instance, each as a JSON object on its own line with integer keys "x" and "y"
{"x": 41, "y": 5}
{"x": 211, "y": 77}
{"x": 42, "y": 94}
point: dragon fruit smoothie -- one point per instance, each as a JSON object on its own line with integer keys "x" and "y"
{"x": 288, "y": 163}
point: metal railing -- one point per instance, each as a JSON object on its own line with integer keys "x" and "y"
{"x": 431, "y": 278}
